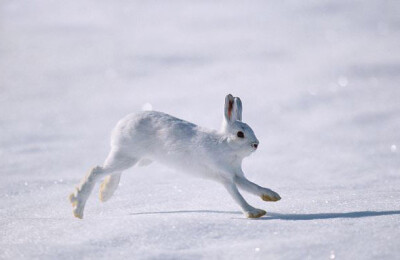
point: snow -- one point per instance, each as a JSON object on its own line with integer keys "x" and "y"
{"x": 319, "y": 84}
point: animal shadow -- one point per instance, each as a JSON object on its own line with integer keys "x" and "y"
{"x": 282, "y": 216}
{"x": 315, "y": 216}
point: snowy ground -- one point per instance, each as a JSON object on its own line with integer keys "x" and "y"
{"x": 319, "y": 82}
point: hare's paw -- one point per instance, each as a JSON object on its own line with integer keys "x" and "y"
{"x": 105, "y": 191}
{"x": 72, "y": 198}
{"x": 77, "y": 207}
{"x": 269, "y": 195}
{"x": 78, "y": 212}
{"x": 109, "y": 186}
{"x": 255, "y": 213}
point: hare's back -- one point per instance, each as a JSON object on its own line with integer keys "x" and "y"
{"x": 152, "y": 127}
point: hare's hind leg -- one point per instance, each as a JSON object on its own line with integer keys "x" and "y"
{"x": 109, "y": 186}
{"x": 82, "y": 191}
{"x": 115, "y": 163}
{"x": 110, "y": 183}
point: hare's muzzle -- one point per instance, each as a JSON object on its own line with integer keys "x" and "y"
{"x": 254, "y": 145}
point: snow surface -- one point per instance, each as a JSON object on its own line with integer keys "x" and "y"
{"x": 319, "y": 81}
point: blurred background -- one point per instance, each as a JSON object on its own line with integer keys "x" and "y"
{"x": 319, "y": 81}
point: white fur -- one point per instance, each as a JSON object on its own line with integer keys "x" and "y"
{"x": 156, "y": 136}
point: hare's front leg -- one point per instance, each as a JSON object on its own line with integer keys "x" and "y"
{"x": 247, "y": 209}
{"x": 265, "y": 193}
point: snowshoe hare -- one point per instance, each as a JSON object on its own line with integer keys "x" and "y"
{"x": 154, "y": 136}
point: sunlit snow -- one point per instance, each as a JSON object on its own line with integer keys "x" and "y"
{"x": 319, "y": 82}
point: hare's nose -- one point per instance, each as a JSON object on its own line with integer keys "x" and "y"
{"x": 254, "y": 145}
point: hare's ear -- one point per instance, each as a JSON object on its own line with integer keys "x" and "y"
{"x": 237, "y": 109}
{"x": 229, "y": 108}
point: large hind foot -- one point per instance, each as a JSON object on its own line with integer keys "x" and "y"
{"x": 108, "y": 186}
{"x": 104, "y": 195}
{"x": 77, "y": 205}
{"x": 83, "y": 190}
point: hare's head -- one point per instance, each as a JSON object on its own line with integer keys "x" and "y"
{"x": 240, "y": 136}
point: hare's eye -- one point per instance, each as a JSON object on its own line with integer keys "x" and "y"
{"x": 240, "y": 134}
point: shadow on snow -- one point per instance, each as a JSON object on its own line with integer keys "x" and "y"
{"x": 271, "y": 215}
{"x": 355, "y": 214}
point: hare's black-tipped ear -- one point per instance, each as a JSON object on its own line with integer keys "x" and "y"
{"x": 229, "y": 100}
{"x": 237, "y": 109}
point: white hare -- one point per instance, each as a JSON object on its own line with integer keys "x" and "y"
{"x": 155, "y": 136}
